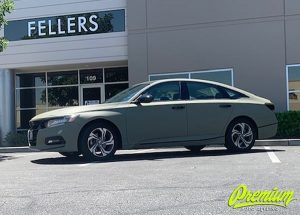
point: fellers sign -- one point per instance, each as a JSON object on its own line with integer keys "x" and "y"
{"x": 69, "y": 25}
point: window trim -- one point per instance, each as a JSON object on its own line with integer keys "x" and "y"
{"x": 195, "y": 72}
{"x": 287, "y": 84}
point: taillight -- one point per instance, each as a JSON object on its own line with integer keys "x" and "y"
{"x": 271, "y": 106}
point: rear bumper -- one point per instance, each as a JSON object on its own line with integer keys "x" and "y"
{"x": 267, "y": 131}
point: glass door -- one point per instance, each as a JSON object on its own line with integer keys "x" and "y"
{"x": 91, "y": 95}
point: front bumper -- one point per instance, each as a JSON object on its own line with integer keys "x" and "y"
{"x": 61, "y": 138}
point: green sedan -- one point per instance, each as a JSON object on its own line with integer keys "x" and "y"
{"x": 165, "y": 113}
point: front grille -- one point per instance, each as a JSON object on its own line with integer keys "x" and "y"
{"x": 35, "y": 126}
{"x": 32, "y": 142}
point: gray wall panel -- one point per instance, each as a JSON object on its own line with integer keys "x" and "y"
{"x": 256, "y": 59}
{"x": 292, "y": 7}
{"x": 292, "y": 40}
{"x": 193, "y": 35}
{"x": 137, "y": 64}
{"x": 178, "y": 12}
{"x": 137, "y": 19}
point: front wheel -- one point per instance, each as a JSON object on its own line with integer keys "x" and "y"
{"x": 240, "y": 135}
{"x": 99, "y": 141}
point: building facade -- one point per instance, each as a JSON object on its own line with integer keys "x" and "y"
{"x": 81, "y": 52}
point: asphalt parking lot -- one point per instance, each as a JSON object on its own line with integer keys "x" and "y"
{"x": 154, "y": 181}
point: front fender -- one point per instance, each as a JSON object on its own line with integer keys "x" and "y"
{"x": 118, "y": 118}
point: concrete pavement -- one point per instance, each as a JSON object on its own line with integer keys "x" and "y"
{"x": 155, "y": 181}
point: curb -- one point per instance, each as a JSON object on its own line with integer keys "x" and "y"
{"x": 282, "y": 142}
{"x": 15, "y": 149}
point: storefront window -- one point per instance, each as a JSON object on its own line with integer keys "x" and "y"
{"x": 30, "y": 80}
{"x": 113, "y": 89}
{"x": 63, "y": 96}
{"x": 35, "y": 95}
{"x": 168, "y": 76}
{"x": 62, "y": 78}
{"x": 224, "y": 76}
{"x": 293, "y": 76}
{"x": 91, "y": 76}
{"x": 24, "y": 116}
{"x": 116, "y": 74}
{"x": 31, "y": 98}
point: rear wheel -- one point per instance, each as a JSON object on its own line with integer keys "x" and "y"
{"x": 240, "y": 135}
{"x": 195, "y": 148}
{"x": 99, "y": 141}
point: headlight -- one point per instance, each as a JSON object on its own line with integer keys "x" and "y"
{"x": 60, "y": 121}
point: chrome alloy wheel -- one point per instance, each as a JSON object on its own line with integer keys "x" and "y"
{"x": 101, "y": 142}
{"x": 242, "y": 135}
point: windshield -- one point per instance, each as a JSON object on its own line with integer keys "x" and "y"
{"x": 127, "y": 94}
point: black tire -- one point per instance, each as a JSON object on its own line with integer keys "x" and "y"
{"x": 95, "y": 149}
{"x": 195, "y": 148}
{"x": 240, "y": 135}
{"x": 72, "y": 155}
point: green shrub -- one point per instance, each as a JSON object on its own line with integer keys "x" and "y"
{"x": 16, "y": 139}
{"x": 288, "y": 125}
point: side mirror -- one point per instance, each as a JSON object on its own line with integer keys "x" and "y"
{"x": 146, "y": 98}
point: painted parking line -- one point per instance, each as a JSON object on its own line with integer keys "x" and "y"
{"x": 272, "y": 155}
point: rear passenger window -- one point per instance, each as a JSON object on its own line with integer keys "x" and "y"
{"x": 235, "y": 95}
{"x": 200, "y": 91}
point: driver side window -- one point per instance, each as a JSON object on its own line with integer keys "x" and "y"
{"x": 169, "y": 91}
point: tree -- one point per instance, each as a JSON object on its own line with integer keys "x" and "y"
{"x": 6, "y": 6}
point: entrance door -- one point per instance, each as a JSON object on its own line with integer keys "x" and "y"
{"x": 91, "y": 95}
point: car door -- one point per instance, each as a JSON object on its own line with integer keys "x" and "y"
{"x": 208, "y": 110}
{"x": 160, "y": 122}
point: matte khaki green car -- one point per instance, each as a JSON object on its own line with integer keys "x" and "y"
{"x": 165, "y": 113}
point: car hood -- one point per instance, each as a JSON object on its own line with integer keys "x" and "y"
{"x": 77, "y": 110}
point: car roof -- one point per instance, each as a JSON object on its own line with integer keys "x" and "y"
{"x": 200, "y": 81}
{"x": 188, "y": 80}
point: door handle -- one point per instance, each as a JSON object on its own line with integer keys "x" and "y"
{"x": 178, "y": 107}
{"x": 224, "y": 106}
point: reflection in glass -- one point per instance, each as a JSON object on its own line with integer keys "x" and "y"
{"x": 221, "y": 76}
{"x": 168, "y": 76}
{"x": 91, "y": 95}
{"x": 91, "y": 76}
{"x": 169, "y": 91}
{"x": 30, "y": 80}
{"x": 113, "y": 89}
{"x": 294, "y": 101}
{"x": 31, "y": 98}
{"x": 62, "y": 78}
{"x": 24, "y": 116}
{"x": 63, "y": 96}
{"x": 116, "y": 74}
